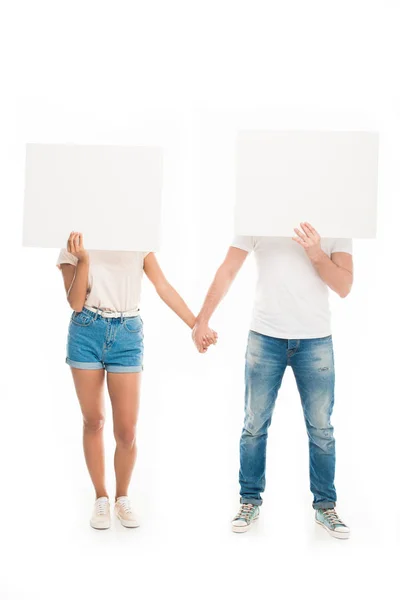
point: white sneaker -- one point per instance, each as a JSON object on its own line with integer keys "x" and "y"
{"x": 101, "y": 514}
{"x": 123, "y": 511}
{"x": 246, "y": 516}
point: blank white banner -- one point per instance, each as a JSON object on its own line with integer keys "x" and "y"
{"x": 110, "y": 193}
{"x": 326, "y": 178}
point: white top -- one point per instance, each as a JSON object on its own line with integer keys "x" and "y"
{"x": 115, "y": 278}
{"x": 292, "y": 301}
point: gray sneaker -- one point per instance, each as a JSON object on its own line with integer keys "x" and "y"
{"x": 329, "y": 519}
{"x": 247, "y": 514}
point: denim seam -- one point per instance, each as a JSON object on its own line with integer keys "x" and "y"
{"x": 104, "y": 344}
{"x": 82, "y": 324}
{"x": 132, "y": 330}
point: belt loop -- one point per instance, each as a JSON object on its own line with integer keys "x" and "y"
{"x": 97, "y": 312}
{"x": 122, "y": 317}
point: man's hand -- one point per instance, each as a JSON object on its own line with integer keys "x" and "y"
{"x": 203, "y": 336}
{"x": 75, "y": 246}
{"x": 310, "y": 240}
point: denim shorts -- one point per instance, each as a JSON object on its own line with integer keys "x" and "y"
{"x": 111, "y": 343}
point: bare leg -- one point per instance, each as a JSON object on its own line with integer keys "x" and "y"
{"x": 124, "y": 390}
{"x": 89, "y": 386}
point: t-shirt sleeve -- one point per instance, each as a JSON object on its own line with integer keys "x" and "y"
{"x": 66, "y": 257}
{"x": 342, "y": 245}
{"x": 243, "y": 242}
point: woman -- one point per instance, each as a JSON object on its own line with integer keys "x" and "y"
{"x": 106, "y": 334}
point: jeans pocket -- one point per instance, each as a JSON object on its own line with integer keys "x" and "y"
{"x": 83, "y": 319}
{"x": 133, "y": 324}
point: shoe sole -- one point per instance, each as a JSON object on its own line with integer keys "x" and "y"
{"x": 244, "y": 528}
{"x": 335, "y": 534}
{"x": 127, "y": 524}
{"x": 100, "y": 527}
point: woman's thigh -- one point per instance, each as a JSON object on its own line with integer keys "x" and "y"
{"x": 89, "y": 386}
{"x": 124, "y": 391}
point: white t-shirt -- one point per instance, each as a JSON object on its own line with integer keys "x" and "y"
{"x": 292, "y": 301}
{"x": 115, "y": 278}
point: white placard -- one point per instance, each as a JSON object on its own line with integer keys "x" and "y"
{"x": 112, "y": 194}
{"x": 326, "y": 178}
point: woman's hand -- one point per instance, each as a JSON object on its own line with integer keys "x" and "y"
{"x": 203, "y": 336}
{"x": 75, "y": 246}
{"x": 310, "y": 240}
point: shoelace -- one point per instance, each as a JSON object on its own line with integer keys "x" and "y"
{"x": 126, "y": 505}
{"x": 332, "y": 516}
{"x": 244, "y": 512}
{"x": 101, "y": 506}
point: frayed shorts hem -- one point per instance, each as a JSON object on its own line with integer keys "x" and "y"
{"x": 93, "y": 366}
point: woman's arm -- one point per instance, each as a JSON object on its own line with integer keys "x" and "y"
{"x": 165, "y": 290}
{"x": 76, "y": 277}
{"x": 337, "y": 271}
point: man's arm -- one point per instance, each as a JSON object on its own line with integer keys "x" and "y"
{"x": 336, "y": 271}
{"x": 218, "y": 289}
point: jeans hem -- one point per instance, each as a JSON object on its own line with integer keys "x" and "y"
{"x": 254, "y": 501}
{"x": 84, "y": 365}
{"x": 120, "y": 369}
{"x": 324, "y": 504}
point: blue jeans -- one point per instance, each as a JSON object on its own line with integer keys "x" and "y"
{"x": 313, "y": 366}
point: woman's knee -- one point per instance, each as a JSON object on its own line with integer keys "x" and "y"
{"x": 125, "y": 436}
{"x": 93, "y": 424}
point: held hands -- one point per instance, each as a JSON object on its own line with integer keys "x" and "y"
{"x": 309, "y": 239}
{"x": 75, "y": 246}
{"x": 203, "y": 336}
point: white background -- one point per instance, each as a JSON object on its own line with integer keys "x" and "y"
{"x": 90, "y": 66}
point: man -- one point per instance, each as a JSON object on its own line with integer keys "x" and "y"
{"x": 290, "y": 327}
